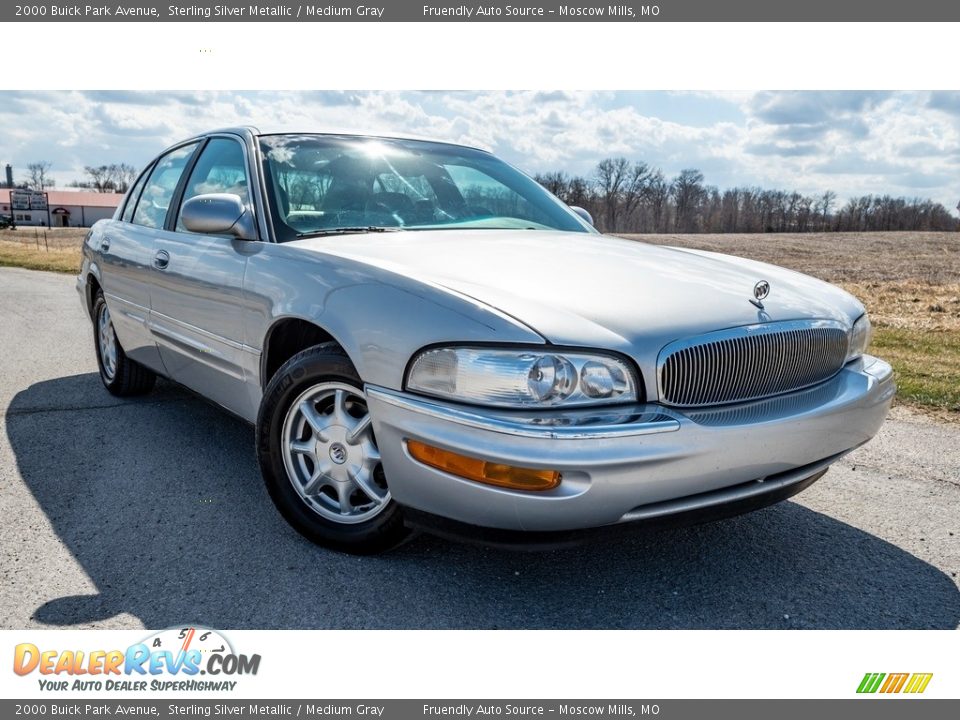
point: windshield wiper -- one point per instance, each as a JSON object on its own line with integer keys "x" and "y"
{"x": 348, "y": 231}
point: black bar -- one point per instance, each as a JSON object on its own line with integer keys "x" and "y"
{"x": 858, "y": 11}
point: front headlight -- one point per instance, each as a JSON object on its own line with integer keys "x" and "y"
{"x": 522, "y": 378}
{"x": 859, "y": 338}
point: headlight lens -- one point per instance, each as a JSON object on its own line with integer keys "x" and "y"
{"x": 860, "y": 335}
{"x": 521, "y": 378}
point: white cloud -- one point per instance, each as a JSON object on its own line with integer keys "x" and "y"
{"x": 852, "y": 142}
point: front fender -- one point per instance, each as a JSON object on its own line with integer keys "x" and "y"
{"x": 380, "y": 318}
{"x": 89, "y": 267}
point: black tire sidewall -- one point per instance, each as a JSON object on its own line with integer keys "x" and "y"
{"x": 311, "y": 367}
{"x": 130, "y": 378}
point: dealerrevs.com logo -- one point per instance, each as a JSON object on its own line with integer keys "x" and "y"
{"x": 169, "y": 660}
{"x": 910, "y": 683}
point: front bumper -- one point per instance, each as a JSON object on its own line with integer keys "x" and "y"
{"x": 643, "y": 462}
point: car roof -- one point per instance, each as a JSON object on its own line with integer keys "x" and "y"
{"x": 341, "y": 132}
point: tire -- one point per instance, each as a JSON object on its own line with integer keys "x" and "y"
{"x": 319, "y": 458}
{"x": 121, "y": 376}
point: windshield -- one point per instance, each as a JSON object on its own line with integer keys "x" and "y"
{"x": 322, "y": 183}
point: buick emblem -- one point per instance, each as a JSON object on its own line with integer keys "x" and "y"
{"x": 760, "y": 292}
{"x": 338, "y": 453}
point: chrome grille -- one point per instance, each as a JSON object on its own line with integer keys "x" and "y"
{"x": 751, "y": 362}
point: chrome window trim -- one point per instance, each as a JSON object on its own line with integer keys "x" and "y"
{"x": 128, "y": 199}
{"x": 252, "y": 179}
{"x": 265, "y": 216}
{"x": 152, "y": 166}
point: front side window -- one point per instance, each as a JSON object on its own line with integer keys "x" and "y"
{"x": 321, "y": 183}
{"x": 158, "y": 192}
{"x": 221, "y": 168}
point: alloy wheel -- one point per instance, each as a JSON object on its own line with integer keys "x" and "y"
{"x": 331, "y": 455}
{"x": 107, "y": 341}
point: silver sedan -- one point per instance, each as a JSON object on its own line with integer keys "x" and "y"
{"x": 425, "y": 337}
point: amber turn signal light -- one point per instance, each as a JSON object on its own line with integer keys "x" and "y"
{"x": 482, "y": 471}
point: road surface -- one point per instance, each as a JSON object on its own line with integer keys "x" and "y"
{"x": 151, "y": 513}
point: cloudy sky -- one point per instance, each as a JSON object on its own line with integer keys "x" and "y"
{"x": 901, "y": 143}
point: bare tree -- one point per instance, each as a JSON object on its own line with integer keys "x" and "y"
{"x": 556, "y": 182}
{"x": 578, "y": 192}
{"x": 125, "y": 176}
{"x": 658, "y": 194}
{"x": 610, "y": 176}
{"x": 826, "y": 203}
{"x": 621, "y": 187}
{"x": 100, "y": 179}
{"x": 635, "y": 189}
{"x": 39, "y": 175}
{"x": 107, "y": 178}
{"x": 686, "y": 190}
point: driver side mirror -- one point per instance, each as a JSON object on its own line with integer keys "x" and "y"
{"x": 584, "y": 215}
{"x": 218, "y": 214}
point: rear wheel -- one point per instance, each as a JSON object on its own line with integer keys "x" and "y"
{"x": 319, "y": 456}
{"x": 120, "y": 375}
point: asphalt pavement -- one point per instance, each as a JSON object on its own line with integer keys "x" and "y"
{"x": 151, "y": 513}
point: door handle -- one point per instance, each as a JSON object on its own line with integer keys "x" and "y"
{"x": 105, "y": 245}
{"x": 161, "y": 260}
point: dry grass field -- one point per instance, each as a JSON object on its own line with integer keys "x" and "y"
{"x": 910, "y": 283}
{"x": 54, "y": 249}
{"x": 56, "y": 238}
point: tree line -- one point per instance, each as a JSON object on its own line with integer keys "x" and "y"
{"x": 113, "y": 178}
{"x": 633, "y": 197}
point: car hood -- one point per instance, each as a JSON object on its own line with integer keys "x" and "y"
{"x": 598, "y": 291}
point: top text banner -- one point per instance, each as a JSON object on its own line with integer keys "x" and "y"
{"x": 490, "y": 11}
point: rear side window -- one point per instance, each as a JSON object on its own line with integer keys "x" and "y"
{"x": 158, "y": 192}
{"x": 221, "y": 168}
{"x": 133, "y": 195}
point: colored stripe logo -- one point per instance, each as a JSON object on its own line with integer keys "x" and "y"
{"x": 913, "y": 683}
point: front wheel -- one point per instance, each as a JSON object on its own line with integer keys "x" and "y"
{"x": 319, "y": 456}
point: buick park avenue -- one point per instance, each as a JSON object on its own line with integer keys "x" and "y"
{"x": 424, "y": 337}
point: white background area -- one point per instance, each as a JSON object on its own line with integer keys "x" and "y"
{"x": 636, "y": 664}
{"x": 482, "y": 56}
